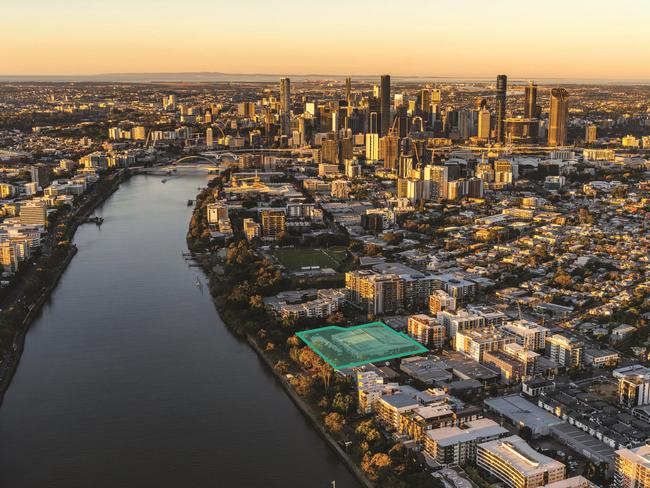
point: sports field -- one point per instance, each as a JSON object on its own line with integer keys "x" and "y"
{"x": 294, "y": 259}
{"x": 354, "y": 346}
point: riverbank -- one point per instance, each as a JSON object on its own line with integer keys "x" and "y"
{"x": 239, "y": 277}
{"x": 311, "y": 416}
{"x": 308, "y": 412}
{"x": 9, "y": 366}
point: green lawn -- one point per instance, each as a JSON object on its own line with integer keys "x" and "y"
{"x": 295, "y": 258}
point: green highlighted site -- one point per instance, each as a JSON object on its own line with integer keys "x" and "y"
{"x": 354, "y": 346}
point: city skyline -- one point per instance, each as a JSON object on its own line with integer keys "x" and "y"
{"x": 281, "y": 40}
{"x": 350, "y": 244}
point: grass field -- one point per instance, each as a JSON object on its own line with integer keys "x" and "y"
{"x": 295, "y": 258}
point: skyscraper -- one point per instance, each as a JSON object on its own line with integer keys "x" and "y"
{"x": 591, "y": 133}
{"x": 285, "y": 105}
{"x": 435, "y": 96}
{"x": 40, "y": 174}
{"x": 384, "y": 107}
{"x": 438, "y": 176}
{"x": 483, "y": 124}
{"x": 424, "y": 101}
{"x": 558, "y": 115}
{"x": 348, "y": 91}
{"x": 209, "y": 137}
{"x": 502, "y": 88}
{"x": 372, "y": 147}
{"x": 389, "y": 150}
{"x": 530, "y": 104}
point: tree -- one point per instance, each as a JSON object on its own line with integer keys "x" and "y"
{"x": 586, "y": 217}
{"x": 325, "y": 371}
{"x": 282, "y": 367}
{"x": 293, "y": 341}
{"x": 256, "y": 302}
{"x": 302, "y": 384}
{"x": 376, "y": 466}
{"x": 335, "y": 318}
{"x": 342, "y": 402}
{"x": 563, "y": 279}
{"x": 391, "y": 238}
{"x": 334, "y": 422}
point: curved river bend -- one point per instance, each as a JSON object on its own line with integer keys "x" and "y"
{"x": 129, "y": 378}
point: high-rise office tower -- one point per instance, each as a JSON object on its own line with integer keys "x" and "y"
{"x": 384, "y": 108}
{"x": 285, "y": 105}
{"x": 502, "y": 88}
{"x": 503, "y": 173}
{"x": 438, "y": 176}
{"x": 330, "y": 149}
{"x": 373, "y": 123}
{"x": 483, "y": 124}
{"x": 424, "y": 101}
{"x": 389, "y": 150}
{"x": 530, "y": 104}
{"x": 465, "y": 123}
{"x": 209, "y": 137}
{"x": 406, "y": 164}
{"x": 348, "y": 91}
{"x": 40, "y": 174}
{"x": 372, "y": 147}
{"x": 591, "y": 133}
{"x": 401, "y": 122}
{"x": 558, "y": 115}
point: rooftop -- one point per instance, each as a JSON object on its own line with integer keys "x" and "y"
{"x": 520, "y": 455}
{"x": 475, "y": 429}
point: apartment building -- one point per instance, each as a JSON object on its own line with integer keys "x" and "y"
{"x": 566, "y": 351}
{"x": 514, "y": 362}
{"x": 460, "y": 289}
{"x": 517, "y": 464}
{"x": 377, "y": 293}
{"x": 217, "y": 211}
{"x": 475, "y": 343}
{"x": 457, "y": 445}
{"x": 440, "y": 300}
{"x": 252, "y": 229}
{"x": 426, "y": 330}
{"x": 273, "y": 223}
{"x": 632, "y": 468}
{"x": 633, "y": 386}
{"x": 528, "y": 334}
{"x": 371, "y": 386}
{"x": 33, "y": 213}
{"x": 459, "y": 320}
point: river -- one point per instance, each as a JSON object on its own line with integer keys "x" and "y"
{"x": 130, "y": 379}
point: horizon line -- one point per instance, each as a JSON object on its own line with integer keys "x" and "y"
{"x": 322, "y": 75}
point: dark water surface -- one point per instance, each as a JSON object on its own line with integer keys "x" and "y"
{"x": 130, "y": 379}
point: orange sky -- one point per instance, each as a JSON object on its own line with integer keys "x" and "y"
{"x": 565, "y": 39}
